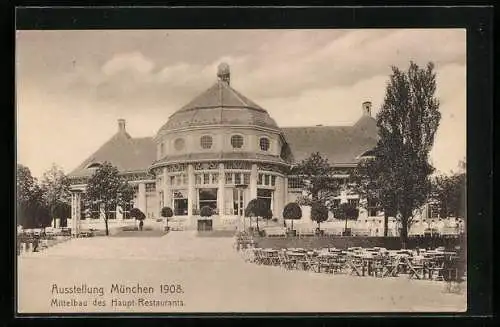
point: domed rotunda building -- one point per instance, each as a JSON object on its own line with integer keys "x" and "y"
{"x": 221, "y": 150}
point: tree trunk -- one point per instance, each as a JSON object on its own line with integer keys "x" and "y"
{"x": 106, "y": 223}
{"x": 52, "y": 214}
{"x": 404, "y": 230}
{"x": 257, "y": 220}
{"x": 386, "y": 223}
{"x": 345, "y": 228}
{"x": 292, "y": 224}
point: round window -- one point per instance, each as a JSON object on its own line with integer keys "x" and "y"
{"x": 206, "y": 142}
{"x": 179, "y": 144}
{"x": 264, "y": 144}
{"x": 237, "y": 141}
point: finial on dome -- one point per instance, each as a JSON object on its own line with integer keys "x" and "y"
{"x": 223, "y": 73}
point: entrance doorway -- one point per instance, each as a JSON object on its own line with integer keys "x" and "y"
{"x": 180, "y": 203}
{"x": 204, "y": 225}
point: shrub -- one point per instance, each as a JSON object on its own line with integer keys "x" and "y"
{"x": 206, "y": 211}
{"x": 137, "y": 214}
{"x": 319, "y": 213}
{"x": 167, "y": 212}
{"x": 292, "y": 211}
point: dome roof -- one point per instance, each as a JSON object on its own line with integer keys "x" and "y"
{"x": 220, "y": 105}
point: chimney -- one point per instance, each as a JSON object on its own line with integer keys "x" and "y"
{"x": 367, "y": 108}
{"x": 223, "y": 73}
{"x": 121, "y": 125}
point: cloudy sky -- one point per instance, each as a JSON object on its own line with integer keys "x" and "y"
{"x": 72, "y": 86}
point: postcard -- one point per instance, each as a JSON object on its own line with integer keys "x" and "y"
{"x": 241, "y": 170}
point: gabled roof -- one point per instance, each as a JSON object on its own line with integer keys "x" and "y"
{"x": 126, "y": 153}
{"x": 339, "y": 144}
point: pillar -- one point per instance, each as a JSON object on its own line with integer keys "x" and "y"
{"x": 75, "y": 212}
{"x": 167, "y": 190}
{"x": 253, "y": 182}
{"x": 141, "y": 198}
{"x": 191, "y": 192}
{"x": 278, "y": 197}
{"x": 220, "y": 190}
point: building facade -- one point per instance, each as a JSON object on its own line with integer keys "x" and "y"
{"x": 221, "y": 150}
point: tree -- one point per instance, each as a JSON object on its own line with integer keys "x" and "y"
{"x": 407, "y": 123}
{"x": 137, "y": 214}
{"x": 319, "y": 213}
{"x": 292, "y": 211}
{"x": 449, "y": 193}
{"x": 167, "y": 213}
{"x": 63, "y": 211}
{"x": 316, "y": 173}
{"x": 55, "y": 186}
{"x": 256, "y": 208}
{"x": 268, "y": 215}
{"x": 126, "y": 193}
{"x": 103, "y": 188}
{"x": 206, "y": 212}
{"x": 31, "y": 210}
{"x": 346, "y": 211}
{"x": 372, "y": 181}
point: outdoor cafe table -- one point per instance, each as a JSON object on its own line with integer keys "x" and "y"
{"x": 270, "y": 254}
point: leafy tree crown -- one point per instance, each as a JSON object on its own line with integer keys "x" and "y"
{"x": 292, "y": 211}
{"x": 319, "y": 212}
{"x": 167, "y": 212}
{"x": 206, "y": 211}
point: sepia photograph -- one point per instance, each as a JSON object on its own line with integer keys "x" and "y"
{"x": 241, "y": 171}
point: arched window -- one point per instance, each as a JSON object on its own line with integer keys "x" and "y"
{"x": 264, "y": 143}
{"x": 179, "y": 144}
{"x": 237, "y": 141}
{"x": 206, "y": 141}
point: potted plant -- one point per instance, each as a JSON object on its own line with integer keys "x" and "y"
{"x": 293, "y": 212}
{"x": 346, "y": 211}
{"x": 257, "y": 208}
{"x": 319, "y": 214}
{"x": 268, "y": 215}
{"x": 138, "y": 215}
{"x": 166, "y": 212}
{"x": 205, "y": 212}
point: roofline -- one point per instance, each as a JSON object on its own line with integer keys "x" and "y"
{"x": 119, "y": 172}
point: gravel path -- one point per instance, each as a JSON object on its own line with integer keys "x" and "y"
{"x": 213, "y": 278}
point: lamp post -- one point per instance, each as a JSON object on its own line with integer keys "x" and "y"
{"x": 241, "y": 188}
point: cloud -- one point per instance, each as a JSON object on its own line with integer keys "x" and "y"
{"x": 302, "y": 77}
{"x": 133, "y": 62}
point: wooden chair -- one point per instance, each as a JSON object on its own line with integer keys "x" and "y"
{"x": 436, "y": 269}
{"x": 325, "y": 263}
{"x": 378, "y": 267}
{"x": 416, "y": 269}
{"x": 355, "y": 265}
{"x": 284, "y": 261}
{"x": 391, "y": 266}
